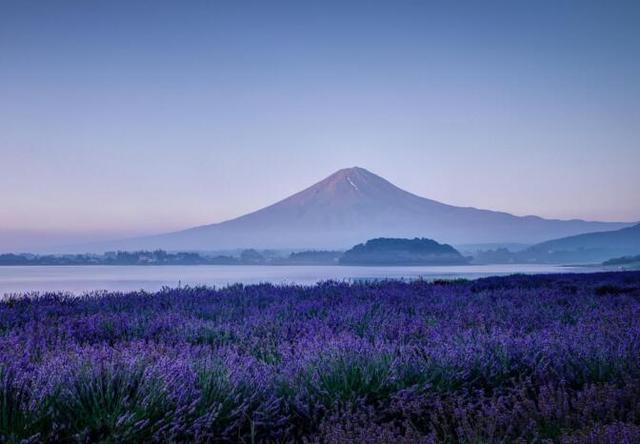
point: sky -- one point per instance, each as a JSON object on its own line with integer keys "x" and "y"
{"x": 120, "y": 118}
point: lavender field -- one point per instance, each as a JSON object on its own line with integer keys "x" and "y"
{"x": 553, "y": 358}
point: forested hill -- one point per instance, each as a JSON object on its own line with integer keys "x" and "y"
{"x": 389, "y": 251}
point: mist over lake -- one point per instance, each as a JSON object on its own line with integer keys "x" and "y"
{"x": 80, "y": 279}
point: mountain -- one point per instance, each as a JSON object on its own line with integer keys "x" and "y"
{"x": 353, "y": 205}
{"x": 383, "y": 251}
{"x": 627, "y": 261}
{"x": 586, "y": 248}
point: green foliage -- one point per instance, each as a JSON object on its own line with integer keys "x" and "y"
{"x": 218, "y": 400}
{"x": 345, "y": 379}
{"x": 111, "y": 404}
{"x": 16, "y": 421}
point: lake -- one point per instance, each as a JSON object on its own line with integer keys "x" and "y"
{"x": 80, "y": 279}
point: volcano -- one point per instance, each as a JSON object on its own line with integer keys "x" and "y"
{"x": 353, "y": 205}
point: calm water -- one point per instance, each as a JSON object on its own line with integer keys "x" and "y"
{"x": 121, "y": 278}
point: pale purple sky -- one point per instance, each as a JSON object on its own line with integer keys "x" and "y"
{"x": 121, "y": 118}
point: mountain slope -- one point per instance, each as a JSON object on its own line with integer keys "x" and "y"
{"x": 353, "y": 205}
{"x": 624, "y": 238}
{"x": 588, "y": 247}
